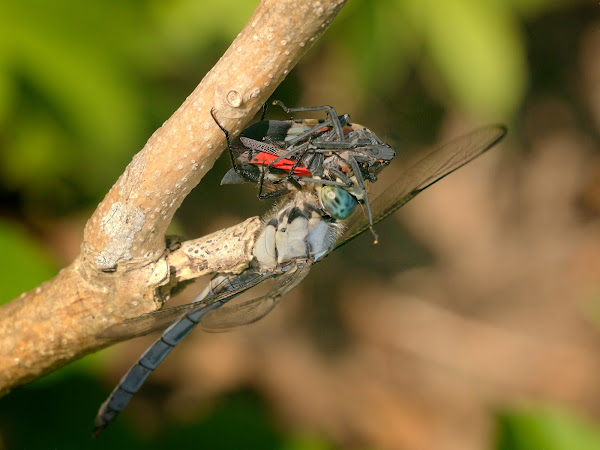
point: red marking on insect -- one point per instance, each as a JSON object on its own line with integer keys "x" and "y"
{"x": 264, "y": 159}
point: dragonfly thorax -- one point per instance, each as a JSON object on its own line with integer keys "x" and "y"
{"x": 300, "y": 231}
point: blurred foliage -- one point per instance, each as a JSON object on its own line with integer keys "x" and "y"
{"x": 474, "y": 49}
{"x": 240, "y": 421}
{"x": 28, "y": 265}
{"x": 84, "y": 84}
{"x": 70, "y": 99}
{"x": 545, "y": 428}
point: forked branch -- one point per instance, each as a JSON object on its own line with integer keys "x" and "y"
{"x": 124, "y": 260}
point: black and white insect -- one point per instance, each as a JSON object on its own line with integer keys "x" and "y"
{"x": 336, "y": 158}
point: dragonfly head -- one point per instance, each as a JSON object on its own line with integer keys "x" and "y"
{"x": 337, "y": 202}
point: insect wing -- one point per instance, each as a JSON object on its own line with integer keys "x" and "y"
{"x": 230, "y": 316}
{"x": 425, "y": 172}
{"x": 159, "y": 320}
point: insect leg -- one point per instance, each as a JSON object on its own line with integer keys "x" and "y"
{"x": 277, "y": 193}
{"x": 291, "y": 177}
{"x": 291, "y": 142}
{"x": 361, "y": 185}
{"x": 322, "y": 181}
{"x": 308, "y": 133}
{"x": 332, "y": 115}
{"x": 298, "y": 160}
{"x": 288, "y": 155}
{"x": 342, "y": 176}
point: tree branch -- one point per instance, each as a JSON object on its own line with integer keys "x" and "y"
{"x": 124, "y": 260}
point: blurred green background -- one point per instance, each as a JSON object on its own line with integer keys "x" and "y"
{"x": 493, "y": 276}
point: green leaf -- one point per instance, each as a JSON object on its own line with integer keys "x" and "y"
{"x": 477, "y": 49}
{"x": 547, "y": 429}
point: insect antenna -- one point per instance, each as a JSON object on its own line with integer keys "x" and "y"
{"x": 226, "y": 133}
{"x": 265, "y": 106}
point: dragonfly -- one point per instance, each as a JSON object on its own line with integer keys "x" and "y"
{"x": 286, "y": 155}
{"x": 299, "y": 234}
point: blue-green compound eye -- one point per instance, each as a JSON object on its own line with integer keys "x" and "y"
{"x": 337, "y": 202}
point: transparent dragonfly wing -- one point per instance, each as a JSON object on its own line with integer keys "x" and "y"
{"x": 231, "y": 316}
{"x": 413, "y": 180}
{"x": 428, "y": 170}
{"x": 222, "y": 291}
{"x": 219, "y": 319}
{"x": 200, "y": 312}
